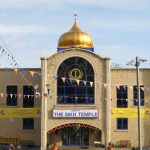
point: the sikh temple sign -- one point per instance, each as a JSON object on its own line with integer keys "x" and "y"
{"x": 75, "y": 113}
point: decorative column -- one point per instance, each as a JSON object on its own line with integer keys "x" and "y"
{"x": 103, "y": 137}
{"x": 44, "y": 104}
{"x": 108, "y": 103}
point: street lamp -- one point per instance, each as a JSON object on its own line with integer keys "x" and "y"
{"x": 48, "y": 88}
{"x": 136, "y": 63}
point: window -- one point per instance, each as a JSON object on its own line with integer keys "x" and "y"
{"x": 135, "y": 95}
{"x": 122, "y": 97}
{"x": 77, "y": 85}
{"x": 122, "y": 123}
{"x": 11, "y": 95}
{"x": 28, "y": 96}
{"x": 28, "y": 123}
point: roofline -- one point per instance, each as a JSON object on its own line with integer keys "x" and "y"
{"x": 69, "y": 49}
{"x": 21, "y": 68}
{"x": 129, "y": 68}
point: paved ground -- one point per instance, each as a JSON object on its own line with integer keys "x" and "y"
{"x": 83, "y": 148}
{"x": 78, "y": 148}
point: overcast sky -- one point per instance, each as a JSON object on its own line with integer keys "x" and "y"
{"x": 31, "y": 28}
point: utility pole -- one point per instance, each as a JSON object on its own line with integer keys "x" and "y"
{"x": 136, "y": 63}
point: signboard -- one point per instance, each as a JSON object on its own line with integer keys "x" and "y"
{"x": 19, "y": 112}
{"x": 130, "y": 113}
{"x": 75, "y": 113}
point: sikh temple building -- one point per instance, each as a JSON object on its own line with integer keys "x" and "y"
{"x": 80, "y": 99}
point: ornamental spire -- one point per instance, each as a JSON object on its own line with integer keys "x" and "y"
{"x": 75, "y": 17}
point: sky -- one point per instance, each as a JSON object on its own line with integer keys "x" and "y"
{"x": 30, "y": 29}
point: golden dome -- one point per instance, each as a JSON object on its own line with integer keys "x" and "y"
{"x": 75, "y": 38}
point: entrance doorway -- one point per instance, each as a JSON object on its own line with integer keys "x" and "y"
{"x": 73, "y": 136}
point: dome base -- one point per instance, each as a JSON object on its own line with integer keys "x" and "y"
{"x": 61, "y": 49}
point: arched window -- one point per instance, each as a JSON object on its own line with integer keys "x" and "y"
{"x": 75, "y": 82}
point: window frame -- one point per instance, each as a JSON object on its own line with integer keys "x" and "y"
{"x": 28, "y": 124}
{"x": 123, "y": 127}
{"x": 123, "y": 93}
{"x": 28, "y": 101}
{"x": 12, "y": 101}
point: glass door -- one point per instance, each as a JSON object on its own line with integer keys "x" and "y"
{"x": 84, "y": 136}
{"x": 74, "y": 136}
{"x": 65, "y": 136}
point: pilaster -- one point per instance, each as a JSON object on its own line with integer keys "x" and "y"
{"x": 44, "y": 104}
{"x": 108, "y": 103}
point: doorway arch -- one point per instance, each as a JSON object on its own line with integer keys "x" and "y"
{"x": 74, "y": 134}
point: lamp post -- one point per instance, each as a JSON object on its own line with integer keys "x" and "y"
{"x": 48, "y": 88}
{"x": 136, "y": 63}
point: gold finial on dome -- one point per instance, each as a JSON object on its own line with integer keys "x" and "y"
{"x": 75, "y": 38}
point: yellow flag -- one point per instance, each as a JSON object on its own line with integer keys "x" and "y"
{"x": 63, "y": 79}
{"x": 32, "y": 73}
{"x": 16, "y": 70}
{"x": 2, "y": 95}
{"x": 91, "y": 84}
{"x": 78, "y": 82}
{"x": 142, "y": 88}
{"x": 118, "y": 87}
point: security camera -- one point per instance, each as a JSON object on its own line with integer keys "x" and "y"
{"x": 142, "y": 59}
